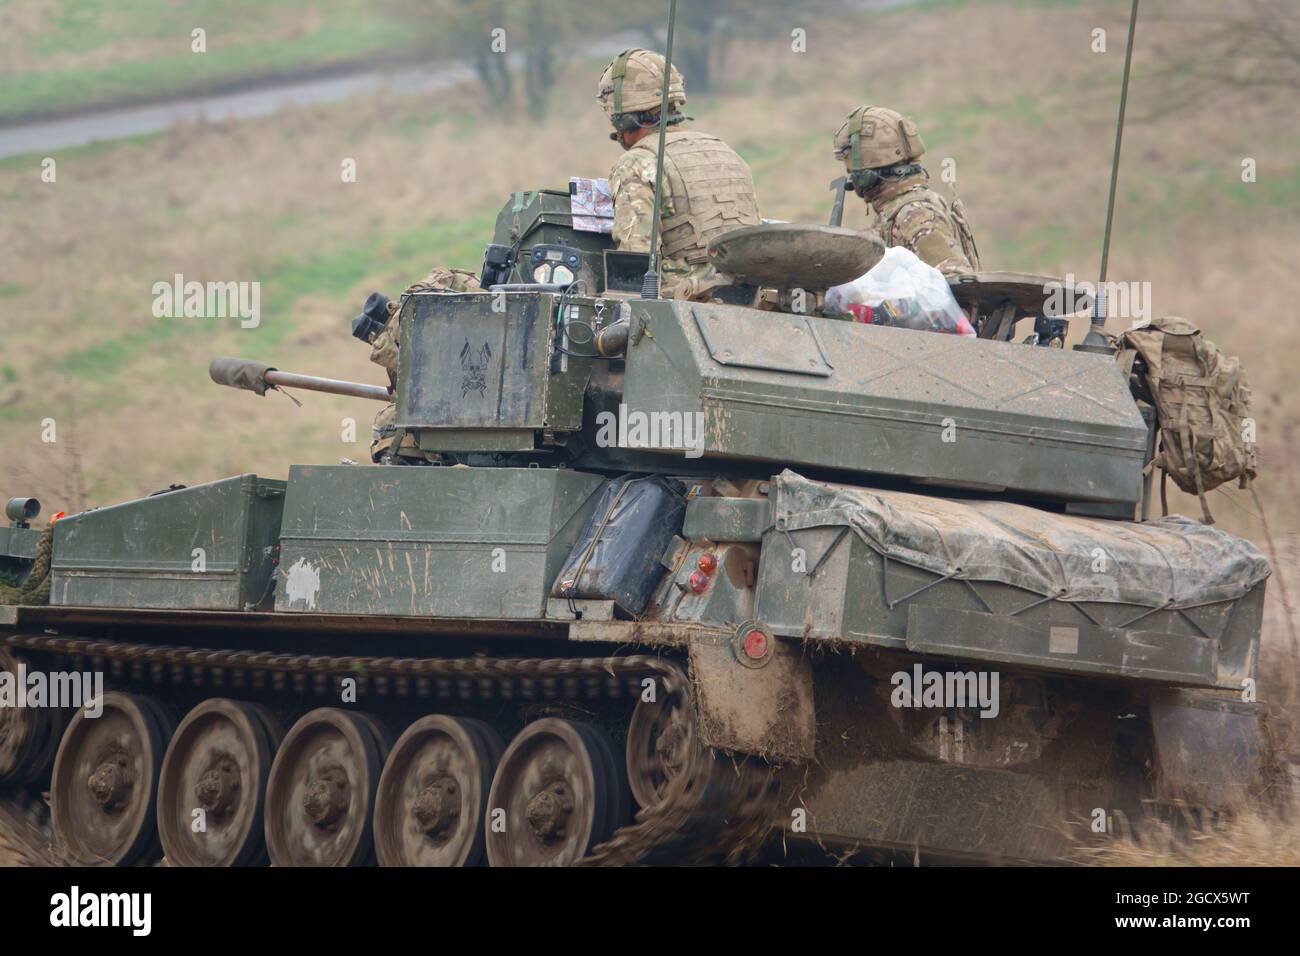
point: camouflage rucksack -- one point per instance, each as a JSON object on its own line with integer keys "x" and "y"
{"x": 1202, "y": 405}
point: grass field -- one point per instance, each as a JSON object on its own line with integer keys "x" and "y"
{"x": 1030, "y": 134}
{"x": 62, "y": 55}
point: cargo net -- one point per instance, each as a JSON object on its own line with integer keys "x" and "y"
{"x": 34, "y": 587}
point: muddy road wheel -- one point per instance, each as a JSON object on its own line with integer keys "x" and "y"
{"x": 29, "y": 736}
{"x": 558, "y": 794}
{"x": 321, "y": 791}
{"x": 103, "y": 794}
{"x": 660, "y": 741}
{"x": 432, "y": 802}
{"x": 214, "y": 780}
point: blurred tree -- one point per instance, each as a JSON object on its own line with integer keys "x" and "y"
{"x": 1250, "y": 44}
{"x": 539, "y": 55}
{"x": 707, "y": 28}
{"x": 538, "y": 34}
{"x": 473, "y": 31}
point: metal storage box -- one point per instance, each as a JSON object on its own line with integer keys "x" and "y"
{"x": 208, "y": 547}
{"x": 445, "y": 542}
{"x": 940, "y": 409}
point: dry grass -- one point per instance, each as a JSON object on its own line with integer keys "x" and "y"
{"x": 1255, "y": 838}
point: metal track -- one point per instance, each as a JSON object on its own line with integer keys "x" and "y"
{"x": 716, "y": 809}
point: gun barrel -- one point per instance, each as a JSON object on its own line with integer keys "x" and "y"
{"x": 334, "y": 386}
{"x": 258, "y": 377}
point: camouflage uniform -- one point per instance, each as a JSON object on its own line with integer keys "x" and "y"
{"x": 707, "y": 190}
{"x": 879, "y": 148}
{"x": 918, "y": 218}
{"x": 384, "y": 353}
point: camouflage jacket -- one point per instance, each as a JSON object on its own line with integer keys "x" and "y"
{"x": 632, "y": 184}
{"x": 920, "y": 219}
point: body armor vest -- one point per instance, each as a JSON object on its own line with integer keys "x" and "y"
{"x": 712, "y": 192}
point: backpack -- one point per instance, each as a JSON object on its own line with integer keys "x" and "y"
{"x": 1202, "y": 403}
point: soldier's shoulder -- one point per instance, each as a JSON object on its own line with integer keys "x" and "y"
{"x": 690, "y": 135}
{"x": 635, "y": 165}
{"x": 939, "y": 198}
{"x": 921, "y": 202}
{"x": 699, "y": 137}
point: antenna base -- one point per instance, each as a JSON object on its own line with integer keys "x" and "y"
{"x": 650, "y": 285}
{"x": 1096, "y": 341}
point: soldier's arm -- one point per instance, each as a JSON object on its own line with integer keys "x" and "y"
{"x": 932, "y": 236}
{"x": 632, "y": 185}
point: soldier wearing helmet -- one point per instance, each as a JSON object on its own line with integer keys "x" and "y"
{"x": 707, "y": 188}
{"x": 879, "y": 148}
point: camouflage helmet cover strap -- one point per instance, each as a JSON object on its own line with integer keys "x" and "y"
{"x": 618, "y": 71}
{"x": 855, "y": 139}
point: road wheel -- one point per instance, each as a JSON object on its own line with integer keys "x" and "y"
{"x": 432, "y": 802}
{"x": 322, "y": 789}
{"x": 103, "y": 794}
{"x": 29, "y": 736}
{"x": 660, "y": 741}
{"x": 218, "y": 763}
{"x": 554, "y": 796}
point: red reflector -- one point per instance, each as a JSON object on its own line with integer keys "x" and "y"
{"x": 755, "y": 645}
{"x": 708, "y": 562}
{"x": 57, "y": 515}
{"x": 698, "y": 581}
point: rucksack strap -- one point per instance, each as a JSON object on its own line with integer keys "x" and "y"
{"x": 1187, "y": 439}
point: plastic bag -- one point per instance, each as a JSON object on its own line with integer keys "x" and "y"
{"x": 902, "y": 291}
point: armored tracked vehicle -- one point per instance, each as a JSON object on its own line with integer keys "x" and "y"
{"x": 672, "y": 582}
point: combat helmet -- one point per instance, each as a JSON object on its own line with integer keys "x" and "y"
{"x": 631, "y": 89}
{"x": 873, "y": 137}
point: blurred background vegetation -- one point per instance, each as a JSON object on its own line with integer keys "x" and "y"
{"x": 69, "y": 56}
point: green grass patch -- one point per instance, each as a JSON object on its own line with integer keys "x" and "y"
{"x": 391, "y": 262}
{"x": 157, "y": 61}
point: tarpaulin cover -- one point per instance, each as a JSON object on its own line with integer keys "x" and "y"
{"x": 1172, "y": 561}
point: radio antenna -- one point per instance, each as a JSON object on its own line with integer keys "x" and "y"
{"x": 650, "y": 285}
{"x": 1095, "y": 340}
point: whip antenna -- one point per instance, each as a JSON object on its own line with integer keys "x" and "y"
{"x": 650, "y": 285}
{"x": 1095, "y": 340}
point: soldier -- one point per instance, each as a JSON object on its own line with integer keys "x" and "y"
{"x": 880, "y": 148}
{"x": 707, "y": 188}
{"x": 384, "y": 353}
